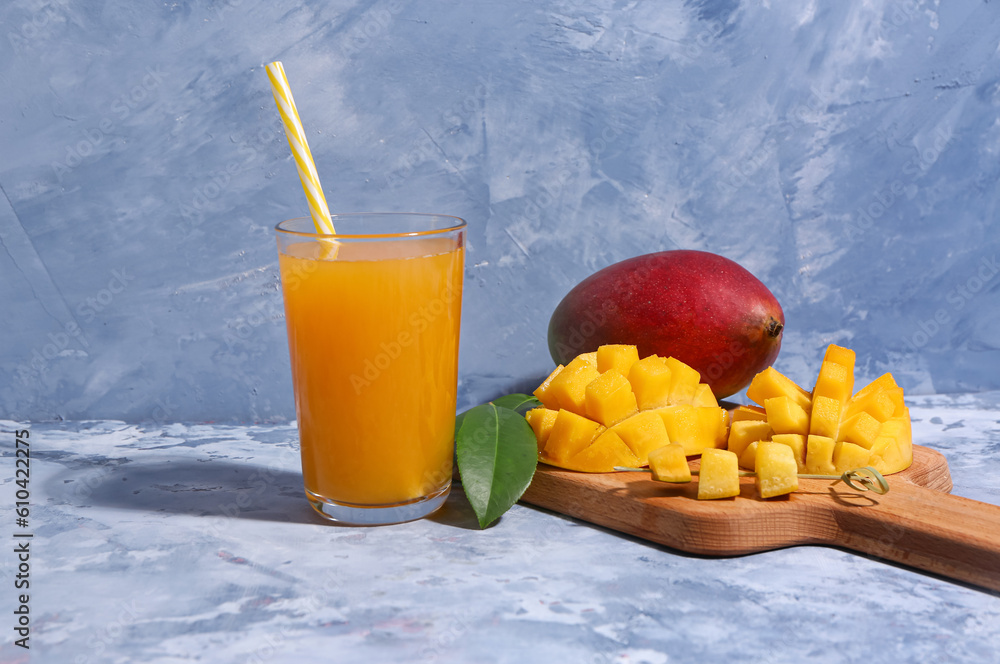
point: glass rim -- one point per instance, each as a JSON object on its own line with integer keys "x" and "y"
{"x": 459, "y": 225}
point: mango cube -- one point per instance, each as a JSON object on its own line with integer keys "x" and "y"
{"x": 679, "y": 421}
{"x": 748, "y": 459}
{"x": 895, "y": 426}
{"x": 643, "y": 433}
{"x": 669, "y": 464}
{"x": 650, "y": 379}
{"x": 607, "y": 451}
{"x": 609, "y": 398}
{"x": 703, "y": 396}
{"x": 891, "y": 457}
{"x": 887, "y": 456}
{"x": 842, "y": 356}
{"x": 713, "y": 423}
{"x": 848, "y": 456}
{"x": 570, "y": 433}
{"x": 776, "y": 468}
{"x": 541, "y": 421}
{"x": 824, "y": 420}
{"x": 693, "y": 427}
{"x": 880, "y": 404}
{"x": 744, "y": 432}
{"x": 795, "y": 442}
{"x": 683, "y": 381}
{"x": 819, "y": 455}
{"x": 893, "y": 449}
{"x": 883, "y": 382}
{"x": 749, "y": 413}
{"x": 861, "y": 429}
{"x": 543, "y": 392}
{"x": 569, "y": 387}
{"x": 769, "y": 384}
{"x": 719, "y": 476}
{"x": 835, "y": 381}
{"x": 786, "y": 416}
{"x": 616, "y": 357}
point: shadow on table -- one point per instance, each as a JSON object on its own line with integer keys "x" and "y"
{"x": 213, "y": 487}
{"x": 456, "y": 511}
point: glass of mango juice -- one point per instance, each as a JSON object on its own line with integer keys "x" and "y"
{"x": 373, "y": 317}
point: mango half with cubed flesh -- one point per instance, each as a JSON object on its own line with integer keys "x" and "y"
{"x": 831, "y": 429}
{"x": 610, "y": 408}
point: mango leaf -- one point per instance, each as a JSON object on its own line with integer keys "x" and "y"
{"x": 497, "y": 454}
{"x": 521, "y": 403}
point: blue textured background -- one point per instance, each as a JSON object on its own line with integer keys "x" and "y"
{"x": 847, "y": 155}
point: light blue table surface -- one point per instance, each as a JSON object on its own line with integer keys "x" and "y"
{"x": 194, "y": 543}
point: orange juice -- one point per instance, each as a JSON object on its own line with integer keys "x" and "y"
{"x": 373, "y": 337}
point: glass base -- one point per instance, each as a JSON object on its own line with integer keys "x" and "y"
{"x": 377, "y": 515}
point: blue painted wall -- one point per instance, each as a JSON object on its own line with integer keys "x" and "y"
{"x": 846, "y": 153}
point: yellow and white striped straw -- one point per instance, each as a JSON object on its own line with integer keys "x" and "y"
{"x": 300, "y": 149}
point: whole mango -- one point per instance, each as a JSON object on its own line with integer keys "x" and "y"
{"x": 701, "y": 308}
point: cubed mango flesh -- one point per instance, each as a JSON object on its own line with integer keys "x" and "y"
{"x": 883, "y": 382}
{"x": 617, "y": 357}
{"x": 776, "y": 468}
{"x": 744, "y": 432}
{"x": 842, "y": 356}
{"x": 719, "y": 476}
{"x": 696, "y": 428}
{"x": 893, "y": 449}
{"x": 880, "y": 404}
{"x": 650, "y": 380}
{"x": 824, "y": 420}
{"x": 609, "y": 398}
{"x": 835, "y": 381}
{"x": 861, "y": 429}
{"x": 543, "y": 393}
{"x": 681, "y": 424}
{"x": 570, "y": 434}
{"x": 848, "y": 456}
{"x": 786, "y": 416}
{"x": 541, "y": 421}
{"x": 748, "y": 458}
{"x": 749, "y": 413}
{"x": 669, "y": 464}
{"x": 569, "y": 387}
{"x": 714, "y": 425}
{"x": 607, "y": 451}
{"x": 819, "y": 455}
{"x": 640, "y": 401}
{"x": 683, "y": 381}
{"x": 797, "y": 443}
{"x": 834, "y": 417}
{"x": 769, "y": 384}
{"x": 703, "y": 396}
{"x": 643, "y": 433}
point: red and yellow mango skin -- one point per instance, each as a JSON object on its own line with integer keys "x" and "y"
{"x": 701, "y": 308}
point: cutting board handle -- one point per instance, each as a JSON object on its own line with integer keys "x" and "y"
{"x": 933, "y": 531}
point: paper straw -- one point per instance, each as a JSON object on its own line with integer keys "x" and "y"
{"x": 300, "y": 149}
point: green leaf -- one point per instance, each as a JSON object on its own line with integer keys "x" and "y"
{"x": 520, "y": 403}
{"x": 497, "y": 454}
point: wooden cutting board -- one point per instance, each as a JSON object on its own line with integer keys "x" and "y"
{"x": 917, "y": 523}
